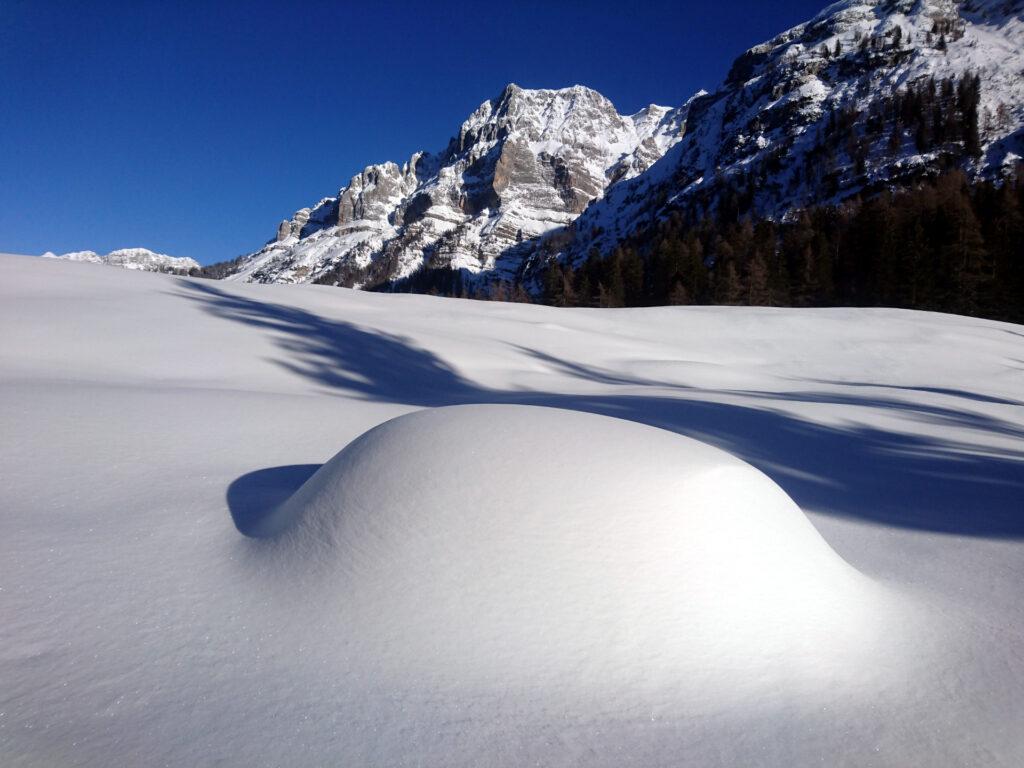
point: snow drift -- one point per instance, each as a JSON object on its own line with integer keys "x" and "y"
{"x": 592, "y": 539}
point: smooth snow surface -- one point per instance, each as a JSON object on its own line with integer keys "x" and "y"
{"x": 492, "y": 571}
{"x": 618, "y": 550}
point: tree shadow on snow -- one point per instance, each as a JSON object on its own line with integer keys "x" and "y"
{"x": 850, "y": 470}
{"x": 854, "y": 471}
{"x": 340, "y": 355}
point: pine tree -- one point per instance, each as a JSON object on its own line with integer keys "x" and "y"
{"x": 729, "y": 289}
{"x": 499, "y": 291}
{"x": 678, "y": 295}
{"x": 632, "y": 272}
{"x": 569, "y": 297}
{"x": 757, "y": 281}
{"x": 964, "y": 261}
{"x": 554, "y": 292}
{"x": 584, "y": 290}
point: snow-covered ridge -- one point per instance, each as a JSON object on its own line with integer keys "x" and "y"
{"x": 523, "y": 164}
{"x": 765, "y": 128}
{"x": 132, "y": 258}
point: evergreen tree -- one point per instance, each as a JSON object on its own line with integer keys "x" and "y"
{"x": 632, "y": 272}
{"x": 757, "y": 281}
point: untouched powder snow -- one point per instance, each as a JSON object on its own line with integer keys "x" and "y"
{"x": 798, "y": 541}
{"x": 605, "y": 549}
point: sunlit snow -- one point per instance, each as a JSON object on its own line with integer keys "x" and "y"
{"x": 745, "y": 536}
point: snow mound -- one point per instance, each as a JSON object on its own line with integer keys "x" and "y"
{"x": 522, "y": 538}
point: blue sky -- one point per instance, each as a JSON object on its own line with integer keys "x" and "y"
{"x": 193, "y": 128}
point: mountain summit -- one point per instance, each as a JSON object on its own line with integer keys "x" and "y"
{"x": 523, "y": 164}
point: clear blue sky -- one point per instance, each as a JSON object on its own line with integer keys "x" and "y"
{"x": 193, "y": 128}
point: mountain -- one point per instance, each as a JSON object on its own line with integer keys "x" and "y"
{"x": 133, "y": 258}
{"x": 868, "y": 94}
{"x": 523, "y": 164}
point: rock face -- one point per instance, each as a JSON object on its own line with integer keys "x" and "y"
{"x": 133, "y": 258}
{"x": 808, "y": 116}
{"x": 523, "y": 164}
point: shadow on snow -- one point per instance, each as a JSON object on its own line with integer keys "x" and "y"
{"x": 340, "y": 355}
{"x": 254, "y": 497}
{"x": 855, "y": 471}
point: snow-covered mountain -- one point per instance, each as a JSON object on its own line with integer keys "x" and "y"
{"x": 854, "y": 99}
{"x": 133, "y": 258}
{"x": 523, "y": 164}
{"x": 869, "y": 93}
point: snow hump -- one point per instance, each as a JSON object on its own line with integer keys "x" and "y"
{"x": 517, "y": 537}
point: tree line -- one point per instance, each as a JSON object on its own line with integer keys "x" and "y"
{"x": 946, "y": 245}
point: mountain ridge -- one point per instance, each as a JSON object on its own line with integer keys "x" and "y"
{"x": 867, "y": 95}
{"x": 760, "y": 126}
{"x": 133, "y": 258}
{"x": 522, "y": 164}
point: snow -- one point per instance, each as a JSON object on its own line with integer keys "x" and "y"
{"x": 567, "y": 537}
{"x": 626, "y": 548}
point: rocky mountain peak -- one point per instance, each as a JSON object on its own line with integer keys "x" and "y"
{"x": 522, "y": 164}
{"x": 867, "y": 94}
{"x": 835, "y": 106}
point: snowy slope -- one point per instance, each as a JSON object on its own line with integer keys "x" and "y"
{"x": 765, "y": 127}
{"x": 496, "y": 584}
{"x": 521, "y": 165}
{"x": 132, "y": 258}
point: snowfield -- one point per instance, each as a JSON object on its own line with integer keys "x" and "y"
{"x": 650, "y": 537}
